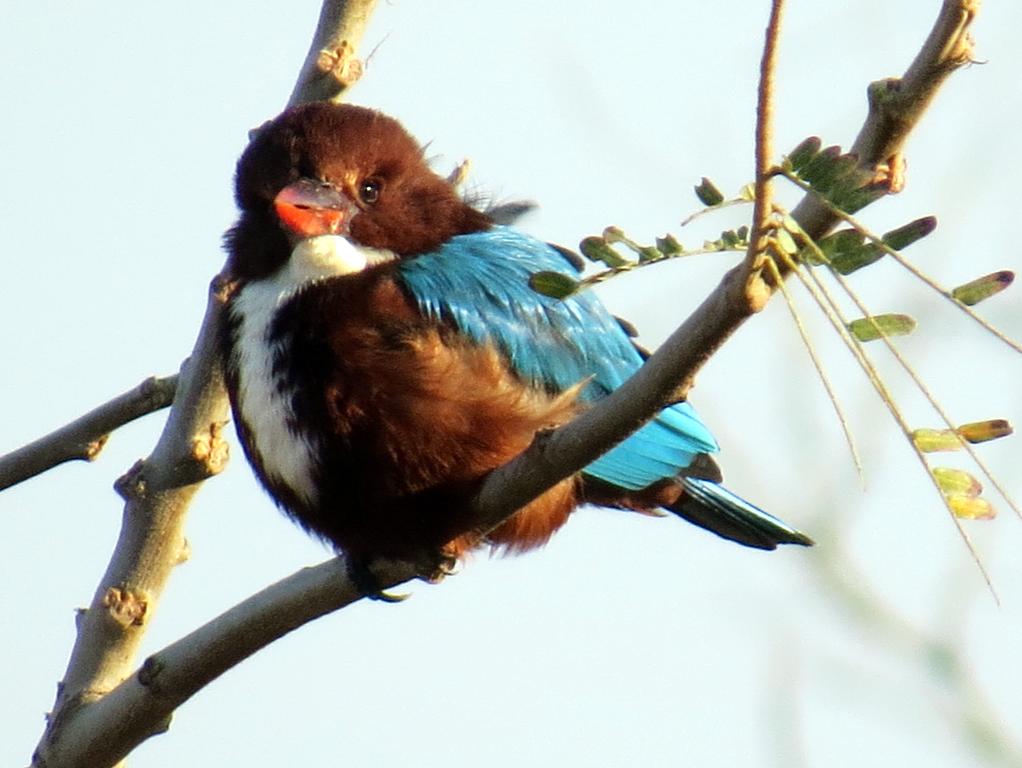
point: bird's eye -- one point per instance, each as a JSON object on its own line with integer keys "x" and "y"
{"x": 369, "y": 191}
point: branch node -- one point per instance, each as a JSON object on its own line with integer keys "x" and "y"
{"x": 149, "y": 672}
{"x": 890, "y": 173}
{"x": 125, "y": 606}
{"x": 184, "y": 554}
{"x": 881, "y": 93}
{"x": 757, "y": 290}
{"x": 157, "y": 392}
{"x": 148, "y": 386}
{"x": 162, "y": 726}
{"x": 131, "y": 486}
{"x": 540, "y": 443}
{"x": 341, "y": 64}
{"x": 210, "y": 451}
{"x": 680, "y": 393}
{"x": 92, "y": 449}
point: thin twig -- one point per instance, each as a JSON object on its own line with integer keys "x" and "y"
{"x": 821, "y": 372}
{"x": 630, "y": 266}
{"x": 763, "y": 207}
{"x": 831, "y": 308}
{"x": 83, "y": 438}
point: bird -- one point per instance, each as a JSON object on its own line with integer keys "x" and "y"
{"x": 383, "y": 352}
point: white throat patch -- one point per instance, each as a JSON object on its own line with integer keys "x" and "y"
{"x": 325, "y": 256}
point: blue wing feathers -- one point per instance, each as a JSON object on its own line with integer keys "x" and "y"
{"x": 480, "y": 283}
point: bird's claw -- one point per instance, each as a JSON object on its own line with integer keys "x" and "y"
{"x": 389, "y": 597}
{"x": 368, "y": 585}
{"x": 432, "y": 566}
{"x": 436, "y": 568}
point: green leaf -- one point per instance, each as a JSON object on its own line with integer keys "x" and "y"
{"x": 836, "y": 176}
{"x": 956, "y": 482}
{"x": 933, "y": 440}
{"x": 649, "y": 253}
{"x": 853, "y": 261}
{"x": 803, "y": 153}
{"x": 842, "y": 241}
{"x": 668, "y": 245}
{"x": 903, "y": 237}
{"x": 595, "y": 248}
{"x": 879, "y": 326}
{"x": 614, "y": 235}
{"x": 819, "y": 172}
{"x": 556, "y": 285}
{"x": 708, "y": 193}
{"x": 983, "y": 288}
{"x": 846, "y": 251}
{"x": 854, "y": 198}
{"x": 971, "y": 508}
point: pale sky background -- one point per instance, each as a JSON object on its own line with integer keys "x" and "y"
{"x": 626, "y": 641}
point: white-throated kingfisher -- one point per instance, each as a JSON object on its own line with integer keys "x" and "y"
{"x": 385, "y": 351}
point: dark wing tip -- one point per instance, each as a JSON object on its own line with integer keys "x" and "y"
{"x": 718, "y": 510}
{"x": 509, "y": 212}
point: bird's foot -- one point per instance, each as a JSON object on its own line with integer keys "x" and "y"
{"x": 368, "y": 584}
{"x": 431, "y": 566}
{"x": 436, "y": 566}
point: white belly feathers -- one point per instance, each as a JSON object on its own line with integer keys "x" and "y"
{"x": 287, "y": 455}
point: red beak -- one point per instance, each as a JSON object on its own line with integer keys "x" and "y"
{"x": 308, "y": 208}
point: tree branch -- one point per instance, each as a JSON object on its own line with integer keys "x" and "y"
{"x": 142, "y": 705}
{"x": 763, "y": 207}
{"x": 84, "y": 438}
{"x": 157, "y": 492}
{"x": 331, "y": 65}
{"x": 896, "y": 105}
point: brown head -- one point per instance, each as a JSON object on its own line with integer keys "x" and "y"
{"x": 342, "y": 169}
